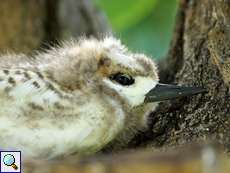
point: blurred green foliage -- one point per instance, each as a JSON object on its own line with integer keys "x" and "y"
{"x": 144, "y": 25}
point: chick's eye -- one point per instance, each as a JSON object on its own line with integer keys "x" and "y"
{"x": 122, "y": 79}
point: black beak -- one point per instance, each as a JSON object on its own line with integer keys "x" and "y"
{"x": 166, "y": 92}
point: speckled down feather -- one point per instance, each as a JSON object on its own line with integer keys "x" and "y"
{"x": 64, "y": 102}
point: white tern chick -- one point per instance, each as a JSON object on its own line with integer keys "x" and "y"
{"x": 76, "y": 98}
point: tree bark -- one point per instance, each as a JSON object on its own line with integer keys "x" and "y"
{"x": 22, "y": 24}
{"x": 199, "y": 56}
{"x": 26, "y": 24}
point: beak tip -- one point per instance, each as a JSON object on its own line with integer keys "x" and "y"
{"x": 202, "y": 89}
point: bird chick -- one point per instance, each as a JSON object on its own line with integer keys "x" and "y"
{"x": 76, "y": 98}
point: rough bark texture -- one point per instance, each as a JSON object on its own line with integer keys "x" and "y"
{"x": 199, "y": 56}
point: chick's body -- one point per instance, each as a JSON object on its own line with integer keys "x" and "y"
{"x": 66, "y": 101}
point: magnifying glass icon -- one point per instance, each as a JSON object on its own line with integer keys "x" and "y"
{"x": 9, "y": 160}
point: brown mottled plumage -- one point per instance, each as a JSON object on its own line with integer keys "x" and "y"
{"x": 74, "y": 99}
